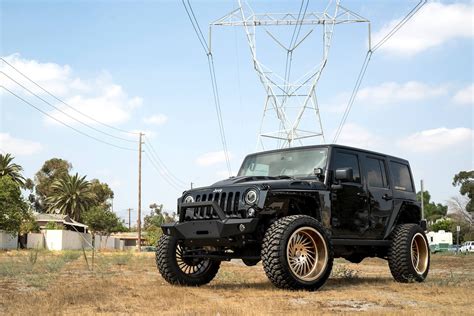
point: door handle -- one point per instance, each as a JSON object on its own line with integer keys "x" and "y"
{"x": 387, "y": 197}
{"x": 362, "y": 195}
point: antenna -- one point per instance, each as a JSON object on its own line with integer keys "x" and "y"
{"x": 292, "y": 102}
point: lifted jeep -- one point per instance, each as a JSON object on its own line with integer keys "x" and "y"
{"x": 297, "y": 209}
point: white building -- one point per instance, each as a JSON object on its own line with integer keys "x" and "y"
{"x": 440, "y": 240}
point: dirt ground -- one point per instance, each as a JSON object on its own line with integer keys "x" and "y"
{"x": 125, "y": 283}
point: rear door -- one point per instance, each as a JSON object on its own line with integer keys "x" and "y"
{"x": 380, "y": 194}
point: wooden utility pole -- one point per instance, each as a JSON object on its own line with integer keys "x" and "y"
{"x": 139, "y": 221}
{"x": 129, "y": 218}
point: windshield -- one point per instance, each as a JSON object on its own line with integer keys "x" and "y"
{"x": 293, "y": 163}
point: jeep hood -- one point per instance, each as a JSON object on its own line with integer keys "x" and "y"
{"x": 275, "y": 183}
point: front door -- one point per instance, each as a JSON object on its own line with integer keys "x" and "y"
{"x": 380, "y": 193}
{"x": 350, "y": 210}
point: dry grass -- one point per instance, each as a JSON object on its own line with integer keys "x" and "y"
{"x": 123, "y": 283}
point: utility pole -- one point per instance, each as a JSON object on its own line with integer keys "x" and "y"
{"x": 192, "y": 185}
{"x": 422, "y": 202}
{"x": 129, "y": 219}
{"x": 139, "y": 221}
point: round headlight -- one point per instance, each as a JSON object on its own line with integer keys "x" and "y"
{"x": 189, "y": 199}
{"x": 251, "y": 197}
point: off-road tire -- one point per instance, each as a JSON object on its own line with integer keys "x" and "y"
{"x": 250, "y": 262}
{"x": 168, "y": 266}
{"x": 274, "y": 253}
{"x": 400, "y": 254}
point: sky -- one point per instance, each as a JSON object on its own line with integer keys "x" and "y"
{"x": 138, "y": 66}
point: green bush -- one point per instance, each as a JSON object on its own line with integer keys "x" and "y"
{"x": 53, "y": 226}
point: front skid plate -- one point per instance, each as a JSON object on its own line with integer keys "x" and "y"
{"x": 210, "y": 229}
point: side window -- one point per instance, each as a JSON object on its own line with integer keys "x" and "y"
{"x": 401, "y": 177}
{"x": 376, "y": 174}
{"x": 344, "y": 160}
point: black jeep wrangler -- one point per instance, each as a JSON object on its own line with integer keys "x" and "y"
{"x": 297, "y": 209}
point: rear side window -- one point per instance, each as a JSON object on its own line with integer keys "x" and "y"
{"x": 376, "y": 174}
{"x": 344, "y": 160}
{"x": 401, "y": 177}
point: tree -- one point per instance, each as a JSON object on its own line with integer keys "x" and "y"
{"x": 103, "y": 221}
{"x": 13, "y": 209}
{"x": 445, "y": 224}
{"x": 432, "y": 210}
{"x": 71, "y": 195}
{"x": 52, "y": 170}
{"x": 465, "y": 181}
{"x": 102, "y": 192}
{"x": 10, "y": 169}
{"x": 153, "y": 222}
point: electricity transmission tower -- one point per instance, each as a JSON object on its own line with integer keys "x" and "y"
{"x": 291, "y": 110}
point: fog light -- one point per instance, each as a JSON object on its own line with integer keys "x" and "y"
{"x": 251, "y": 212}
{"x": 241, "y": 227}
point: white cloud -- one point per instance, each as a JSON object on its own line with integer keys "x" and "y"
{"x": 211, "y": 158}
{"x": 357, "y": 136}
{"x": 432, "y": 26}
{"x": 18, "y": 146}
{"x": 99, "y": 97}
{"x": 465, "y": 95}
{"x": 395, "y": 93}
{"x": 437, "y": 139}
{"x": 388, "y": 93}
{"x": 158, "y": 119}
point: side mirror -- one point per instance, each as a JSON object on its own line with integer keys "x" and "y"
{"x": 345, "y": 174}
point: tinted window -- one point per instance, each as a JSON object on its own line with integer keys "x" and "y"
{"x": 376, "y": 175}
{"x": 401, "y": 177}
{"x": 344, "y": 160}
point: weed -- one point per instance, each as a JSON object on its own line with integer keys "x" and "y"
{"x": 33, "y": 256}
{"x": 343, "y": 272}
{"x": 71, "y": 255}
{"x": 54, "y": 265}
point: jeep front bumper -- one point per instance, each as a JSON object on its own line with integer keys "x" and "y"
{"x": 208, "y": 232}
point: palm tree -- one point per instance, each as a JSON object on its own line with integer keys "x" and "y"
{"x": 8, "y": 168}
{"x": 71, "y": 196}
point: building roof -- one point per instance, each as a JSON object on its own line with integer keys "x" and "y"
{"x": 58, "y": 218}
{"x": 130, "y": 235}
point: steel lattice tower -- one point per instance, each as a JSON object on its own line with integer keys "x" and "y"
{"x": 284, "y": 95}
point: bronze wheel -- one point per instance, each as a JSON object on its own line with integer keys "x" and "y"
{"x": 297, "y": 253}
{"x": 307, "y": 253}
{"x": 190, "y": 266}
{"x": 409, "y": 255}
{"x": 419, "y": 253}
{"x": 179, "y": 270}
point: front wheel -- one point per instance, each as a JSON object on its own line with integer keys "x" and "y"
{"x": 297, "y": 253}
{"x": 409, "y": 255}
{"x": 177, "y": 269}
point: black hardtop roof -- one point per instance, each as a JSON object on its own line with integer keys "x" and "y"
{"x": 331, "y": 146}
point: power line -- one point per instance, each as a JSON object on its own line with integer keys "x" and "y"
{"x": 353, "y": 95}
{"x": 402, "y": 22}
{"x": 162, "y": 164}
{"x": 65, "y": 124}
{"x": 63, "y": 102}
{"x": 212, "y": 72}
{"x": 365, "y": 64}
{"x": 155, "y": 166}
{"x": 65, "y": 113}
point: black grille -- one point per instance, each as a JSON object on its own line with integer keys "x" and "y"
{"x": 228, "y": 202}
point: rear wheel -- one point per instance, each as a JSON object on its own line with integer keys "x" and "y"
{"x": 409, "y": 255}
{"x": 297, "y": 253}
{"x": 177, "y": 269}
